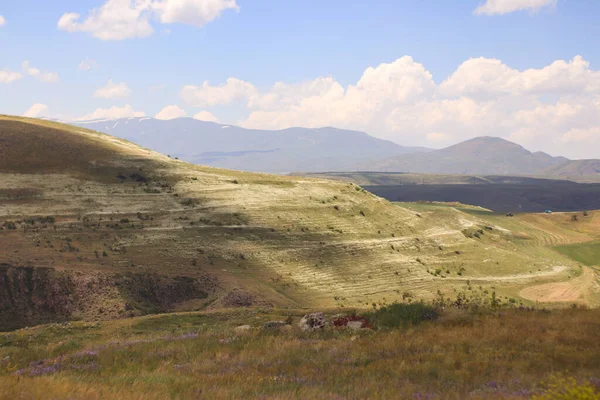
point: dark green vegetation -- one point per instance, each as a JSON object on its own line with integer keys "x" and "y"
{"x": 402, "y": 315}
{"x": 502, "y": 354}
{"x": 538, "y": 197}
{"x": 496, "y": 192}
{"x": 585, "y": 253}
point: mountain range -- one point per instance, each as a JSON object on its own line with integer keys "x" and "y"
{"x": 332, "y": 149}
{"x": 487, "y": 156}
{"x": 233, "y": 147}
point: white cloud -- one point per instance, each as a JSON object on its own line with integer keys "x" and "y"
{"x": 206, "y": 116}
{"x": 8, "y": 76}
{"x": 87, "y": 65}
{"x": 501, "y": 7}
{"x": 191, "y": 12}
{"x": 112, "y": 113}
{"x": 113, "y": 90}
{"x": 207, "y": 95}
{"x": 2, "y": 21}
{"x": 127, "y": 19}
{"x": 36, "y": 110}
{"x": 171, "y": 112}
{"x": 42, "y": 76}
{"x": 115, "y": 20}
{"x": 484, "y": 77}
{"x": 544, "y": 108}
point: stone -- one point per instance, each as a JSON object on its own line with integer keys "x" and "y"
{"x": 355, "y": 325}
{"x": 313, "y": 321}
{"x": 242, "y": 329}
{"x": 274, "y": 325}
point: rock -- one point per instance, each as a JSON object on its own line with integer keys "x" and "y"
{"x": 313, "y": 321}
{"x": 274, "y": 325}
{"x": 242, "y": 329}
{"x": 354, "y": 322}
{"x": 355, "y": 325}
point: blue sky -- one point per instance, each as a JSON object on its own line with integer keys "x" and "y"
{"x": 318, "y": 51}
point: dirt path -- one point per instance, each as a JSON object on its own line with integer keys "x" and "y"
{"x": 568, "y": 291}
{"x": 516, "y": 277}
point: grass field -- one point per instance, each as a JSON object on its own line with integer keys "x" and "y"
{"x": 585, "y": 253}
{"x": 507, "y": 354}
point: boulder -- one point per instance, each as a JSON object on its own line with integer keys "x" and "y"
{"x": 242, "y": 329}
{"x": 313, "y": 321}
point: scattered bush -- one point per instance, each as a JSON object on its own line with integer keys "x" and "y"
{"x": 402, "y": 315}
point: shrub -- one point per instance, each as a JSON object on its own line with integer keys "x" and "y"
{"x": 562, "y": 387}
{"x": 402, "y": 315}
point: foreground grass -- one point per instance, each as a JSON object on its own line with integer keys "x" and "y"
{"x": 508, "y": 354}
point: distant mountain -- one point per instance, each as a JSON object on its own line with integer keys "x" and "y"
{"x": 228, "y": 146}
{"x": 575, "y": 168}
{"x": 486, "y": 156}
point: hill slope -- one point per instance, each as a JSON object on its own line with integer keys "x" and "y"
{"x": 227, "y": 146}
{"x": 100, "y": 228}
{"x": 478, "y": 156}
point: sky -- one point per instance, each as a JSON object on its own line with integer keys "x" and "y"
{"x": 428, "y": 72}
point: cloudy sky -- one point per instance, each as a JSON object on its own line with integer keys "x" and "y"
{"x": 426, "y": 72}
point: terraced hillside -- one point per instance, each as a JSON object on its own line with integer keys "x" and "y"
{"x": 94, "y": 227}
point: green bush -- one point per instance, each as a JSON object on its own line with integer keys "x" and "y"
{"x": 402, "y": 315}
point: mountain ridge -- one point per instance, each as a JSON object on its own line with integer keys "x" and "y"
{"x": 234, "y": 147}
{"x": 484, "y": 155}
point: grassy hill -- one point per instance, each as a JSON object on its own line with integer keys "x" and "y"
{"x": 99, "y": 228}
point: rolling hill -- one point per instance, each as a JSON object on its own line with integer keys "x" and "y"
{"x": 228, "y": 146}
{"x": 98, "y": 228}
{"x": 477, "y": 156}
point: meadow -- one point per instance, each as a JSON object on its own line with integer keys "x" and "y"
{"x": 507, "y": 353}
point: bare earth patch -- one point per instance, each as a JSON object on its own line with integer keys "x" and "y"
{"x": 573, "y": 290}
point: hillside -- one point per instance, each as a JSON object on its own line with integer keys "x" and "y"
{"x": 100, "y": 228}
{"x": 228, "y": 146}
{"x": 489, "y": 156}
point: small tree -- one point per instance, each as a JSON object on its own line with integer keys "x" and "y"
{"x": 574, "y": 217}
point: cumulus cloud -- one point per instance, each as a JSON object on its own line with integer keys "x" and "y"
{"x": 546, "y": 108}
{"x": 8, "y": 76}
{"x": 207, "y": 95}
{"x": 127, "y": 19}
{"x": 2, "y": 21}
{"x": 36, "y": 110}
{"x": 501, "y": 7}
{"x": 113, "y": 90}
{"x": 171, "y": 112}
{"x": 206, "y": 116}
{"x": 112, "y": 113}
{"x": 484, "y": 76}
{"x": 87, "y": 65}
{"x": 191, "y": 12}
{"x": 42, "y": 76}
